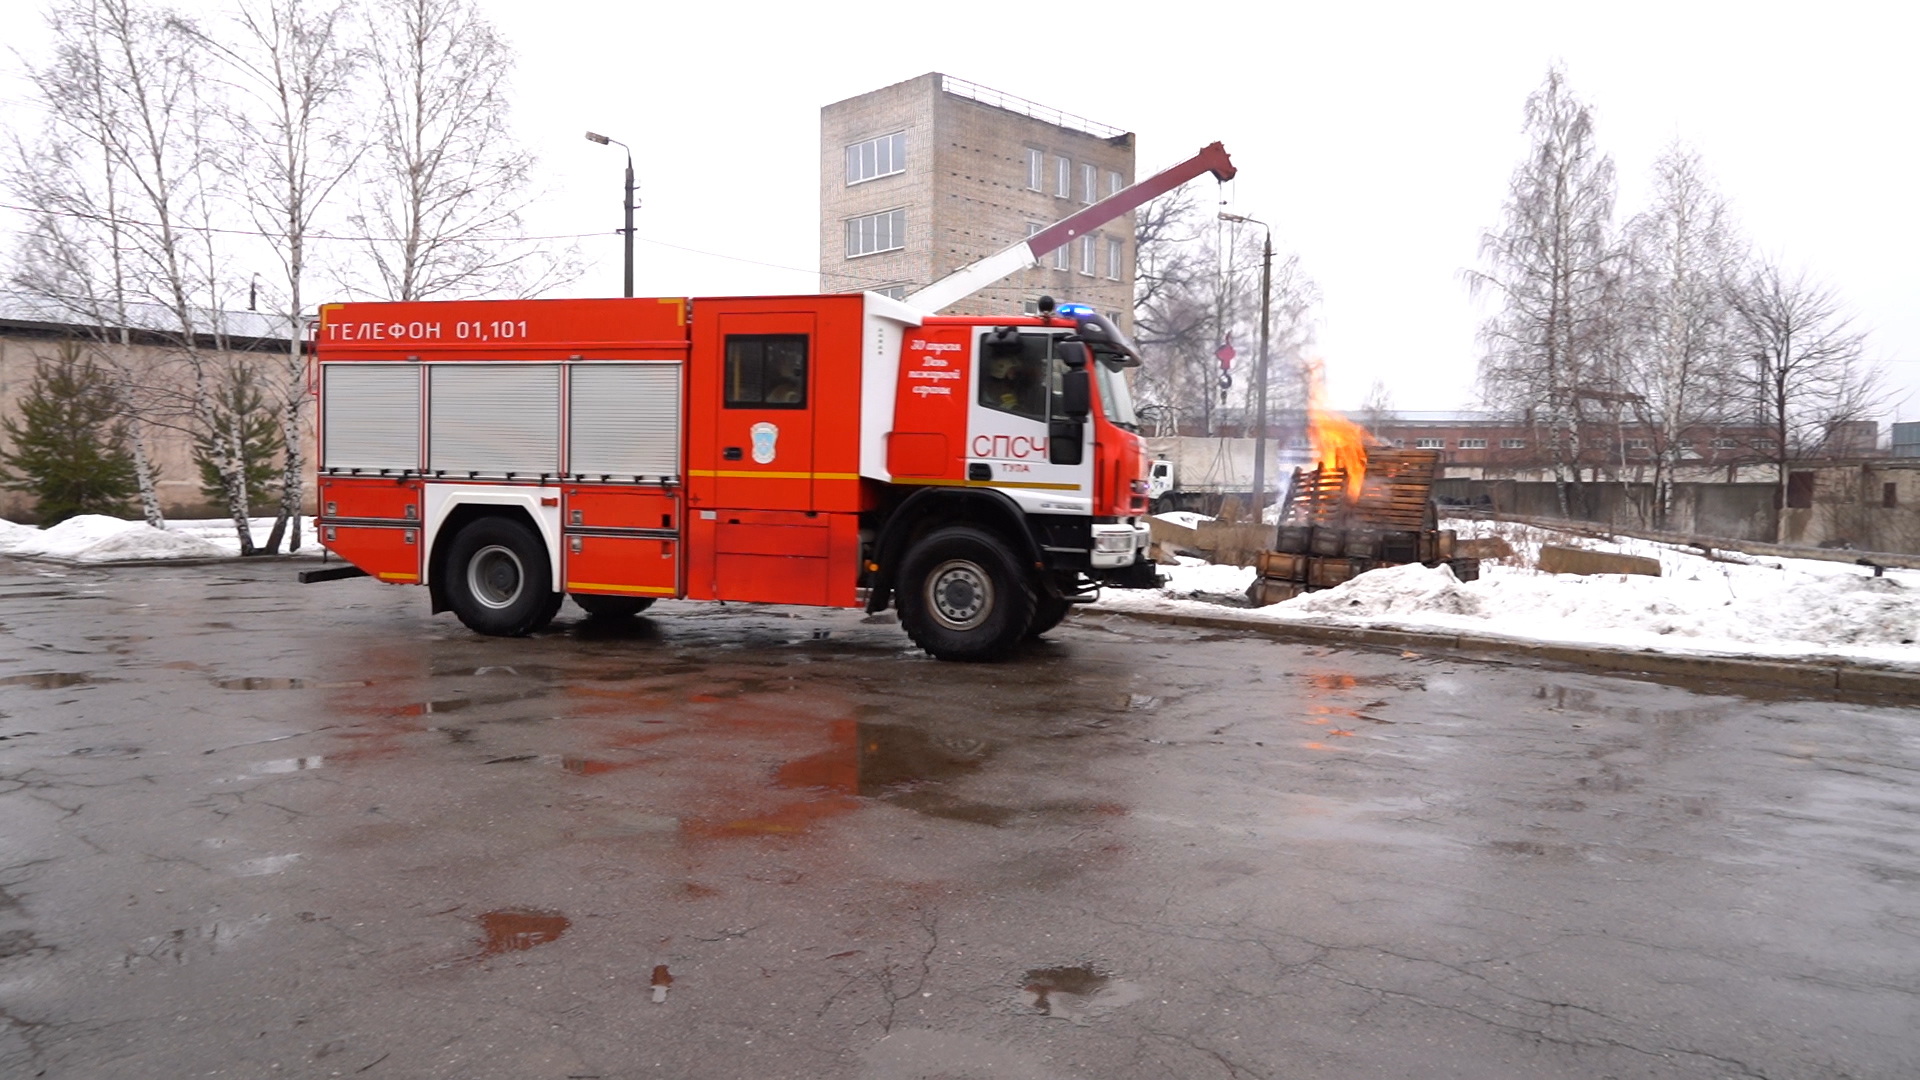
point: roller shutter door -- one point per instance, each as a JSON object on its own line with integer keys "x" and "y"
{"x": 372, "y": 416}
{"x": 625, "y": 420}
{"x": 494, "y": 419}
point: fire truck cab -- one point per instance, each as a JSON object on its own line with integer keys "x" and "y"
{"x": 981, "y": 474}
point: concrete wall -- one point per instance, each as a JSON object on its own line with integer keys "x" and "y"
{"x": 1849, "y": 508}
{"x": 169, "y": 448}
{"x": 1733, "y": 511}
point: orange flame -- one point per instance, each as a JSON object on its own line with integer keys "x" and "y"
{"x": 1338, "y": 443}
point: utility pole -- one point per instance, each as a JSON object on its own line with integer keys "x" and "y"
{"x": 628, "y": 231}
{"x": 1260, "y": 376}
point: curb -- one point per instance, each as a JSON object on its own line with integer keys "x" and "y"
{"x": 1798, "y": 675}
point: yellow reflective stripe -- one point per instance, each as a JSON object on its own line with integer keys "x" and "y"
{"x": 749, "y": 474}
{"x": 680, "y": 306}
{"x": 659, "y": 589}
{"x": 397, "y": 577}
{"x": 987, "y": 483}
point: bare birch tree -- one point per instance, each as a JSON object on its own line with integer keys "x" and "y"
{"x": 1683, "y": 255}
{"x": 1550, "y": 267}
{"x": 444, "y": 182}
{"x": 1197, "y": 286}
{"x": 1806, "y": 366}
{"x": 76, "y": 255}
{"x": 293, "y": 66}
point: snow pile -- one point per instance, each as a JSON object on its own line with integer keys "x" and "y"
{"x": 1394, "y": 590}
{"x": 98, "y": 538}
{"x": 1783, "y": 608}
{"x": 1198, "y": 578}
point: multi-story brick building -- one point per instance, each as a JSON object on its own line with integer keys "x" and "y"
{"x": 924, "y": 177}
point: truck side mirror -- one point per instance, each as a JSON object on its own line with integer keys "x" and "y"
{"x": 1076, "y": 397}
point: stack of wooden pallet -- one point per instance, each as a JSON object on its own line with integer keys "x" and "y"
{"x": 1328, "y": 535}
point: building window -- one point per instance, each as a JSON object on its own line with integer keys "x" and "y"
{"x": 1764, "y": 444}
{"x": 1513, "y": 444}
{"x": 1799, "y": 491}
{"x": 1113, "y": 258}
{"x": 875, "y": 158}
{"x": 1113, "y": 182}
{"x": 1726, "y": 444}
{"x": 1473, "y": 444}
{"x": 1063, "y": 257}
{"x": 1036, "y": 168}
{"x": 1062, "y": 177}
{"x": 1889, "y": 495}
{"x": 1086, "y": 255}
{"x": 1429, "y": 444}
{"x": 1636, "y": 444}
{"x": 893, "y": 292}
{"x": 884, "y": 231}
{"x": 766, "y": 371}
{"x": 1089, "y": 177}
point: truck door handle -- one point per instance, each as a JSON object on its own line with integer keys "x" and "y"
{"x": 979, "y": 470}
{"x": 731, "y": 453}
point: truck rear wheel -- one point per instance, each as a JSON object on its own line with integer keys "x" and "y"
{"x": 601, "y": 606}
{"x": 963, "y": 596}
{"x": 497, "y": 575}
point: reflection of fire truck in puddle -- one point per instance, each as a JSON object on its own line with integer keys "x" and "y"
{"x": 981, "y": 473}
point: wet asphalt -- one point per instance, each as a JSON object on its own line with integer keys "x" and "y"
{"x": 250, "y": 828}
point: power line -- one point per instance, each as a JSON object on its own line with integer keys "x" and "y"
{"x": 261, "y": 234}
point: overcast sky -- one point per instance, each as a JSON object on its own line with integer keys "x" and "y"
{"x": 1377, "y": 139}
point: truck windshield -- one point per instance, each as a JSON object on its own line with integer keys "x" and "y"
{"x": 1115, "y": 399}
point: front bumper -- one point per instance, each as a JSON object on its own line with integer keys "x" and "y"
{"x": 1117, "y": 544}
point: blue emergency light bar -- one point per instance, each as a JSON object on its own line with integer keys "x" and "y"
{"x": 1075, "y": 311}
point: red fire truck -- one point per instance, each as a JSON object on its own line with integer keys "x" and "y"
{"x": 981, "y": 473}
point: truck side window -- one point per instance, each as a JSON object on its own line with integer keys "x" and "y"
{"x": 766, "y": 371}
{"x": 1014, "y": 377}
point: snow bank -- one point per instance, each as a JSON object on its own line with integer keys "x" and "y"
{"x": 1782, "y": 608}
{"x": 95, "y": 538}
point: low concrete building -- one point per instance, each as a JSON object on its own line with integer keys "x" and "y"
{"x": 33, "y": 330}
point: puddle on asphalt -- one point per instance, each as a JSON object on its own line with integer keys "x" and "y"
{"x": 1075, "y": 993}
{"x": 268, "y": 682}
{"x": 261, "y": 683}
{"x": 887, "y": 756}
{"x": 269, "y": 864}
{"x": 288, "y": 765}
{"x": 49, "y": 680}
{"x": 513, "y": 930}
{"x": 114, "y": 751}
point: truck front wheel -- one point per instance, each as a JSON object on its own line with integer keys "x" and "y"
{"x": 963, "y": 596}
{"x": 497, "y": 578}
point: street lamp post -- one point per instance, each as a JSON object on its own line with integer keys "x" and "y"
{"x": 1260, "y": 377}
{"x": 628, "y": 231}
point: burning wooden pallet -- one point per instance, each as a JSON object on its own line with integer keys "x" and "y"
{"x": 1332, "y": 530}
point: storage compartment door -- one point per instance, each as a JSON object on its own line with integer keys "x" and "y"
{"x": 389, "y": 553}
{"x": 371, "y": 417}
{"x": 624, "y": 422}
{"x": 623, "y": 565}
{"x": 494, "y": 420}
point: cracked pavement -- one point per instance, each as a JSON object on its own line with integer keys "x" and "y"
{"x": 254, "y": 828}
